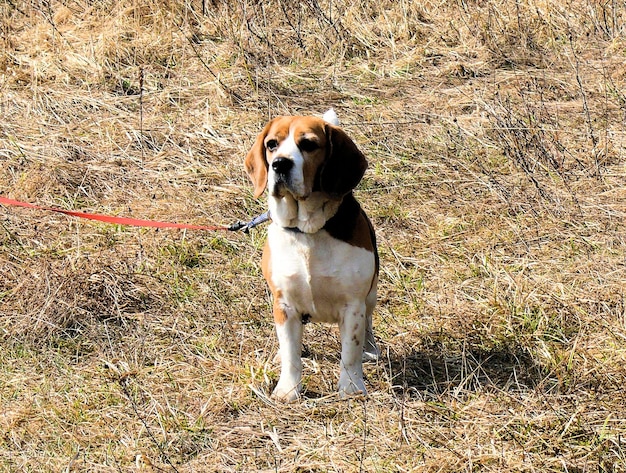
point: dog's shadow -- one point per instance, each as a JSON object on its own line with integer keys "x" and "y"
{"x": 431, "y": 369}
{"x": 435, "y": 371}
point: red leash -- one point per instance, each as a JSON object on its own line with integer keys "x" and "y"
{"x": 115, "y": 220}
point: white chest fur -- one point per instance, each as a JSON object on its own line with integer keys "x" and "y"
{"x": 318, "y": 274}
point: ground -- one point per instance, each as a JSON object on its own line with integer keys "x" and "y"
{"x": 495, "y": 133}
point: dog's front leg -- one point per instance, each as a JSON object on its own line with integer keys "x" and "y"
{"x": 289, "y": 332}
{"x": 352, "y": 328}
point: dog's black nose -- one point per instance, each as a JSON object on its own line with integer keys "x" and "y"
{"x": 282, "y": 165}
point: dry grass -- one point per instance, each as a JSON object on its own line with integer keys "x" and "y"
{"x": 496, "y": 137}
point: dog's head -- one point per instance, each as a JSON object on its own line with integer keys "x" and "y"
{"x": 302, "y": 155}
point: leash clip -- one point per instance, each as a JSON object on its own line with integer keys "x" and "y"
{"x": 246, "y": 226}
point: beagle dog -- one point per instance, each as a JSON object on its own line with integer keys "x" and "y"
{"x": 320, "y": 259}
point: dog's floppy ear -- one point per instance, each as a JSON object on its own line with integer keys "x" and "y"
{"x": 344, "y": 166}
{"x": 256, "y": 164}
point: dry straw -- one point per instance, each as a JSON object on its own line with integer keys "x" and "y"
{"x": 495, "y": 135}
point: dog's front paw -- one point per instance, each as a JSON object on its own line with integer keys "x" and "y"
{"x": 351, "y": 386}
{"x": 286, "y": 393}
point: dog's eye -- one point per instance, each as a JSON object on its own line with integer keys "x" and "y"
{"x": 272, "y": 145}
{"x": 308, "y": 145}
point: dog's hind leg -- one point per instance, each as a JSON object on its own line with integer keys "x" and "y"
{"x": 370, "y": 348}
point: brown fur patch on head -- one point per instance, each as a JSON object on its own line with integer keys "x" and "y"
{"x": 345, "y": 164}
{"x": 256, "y": 164}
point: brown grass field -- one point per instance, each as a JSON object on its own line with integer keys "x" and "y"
{"x": 496, "y": 136}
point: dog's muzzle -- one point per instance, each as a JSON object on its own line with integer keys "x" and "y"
{"x": 281, "y": 168}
